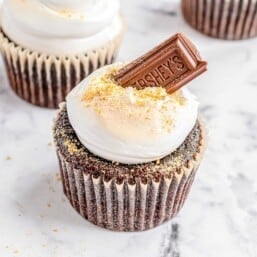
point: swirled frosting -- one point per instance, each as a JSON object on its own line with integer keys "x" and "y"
{"x": 127, "y": 125}
{"x": 61, "y": 26}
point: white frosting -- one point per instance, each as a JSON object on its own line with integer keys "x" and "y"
{"x": 127, "y": 127}
{"x": 61, "y": 26}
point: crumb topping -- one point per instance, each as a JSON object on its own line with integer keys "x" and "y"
{"x": 72, "y": 15}
{"x": 103, "y": 94}
{"x": 73, "y": 151}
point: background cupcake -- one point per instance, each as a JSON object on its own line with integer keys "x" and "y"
{"x": 50, "y": 46}
{"x": 127, "y": 157}
{"x": 232, "y": 19}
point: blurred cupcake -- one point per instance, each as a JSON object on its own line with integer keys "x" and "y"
{"x": 127, "y": 157}
{"x": 49, "y": 46}
{"x": 231, "y": 19}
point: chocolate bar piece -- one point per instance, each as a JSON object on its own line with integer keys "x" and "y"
{"x": 172, "y": 64}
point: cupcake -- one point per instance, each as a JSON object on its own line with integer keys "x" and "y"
{"x": 127, "y": 156}
{"x": 231, "y": 19}
{"x": 49, "y": 46}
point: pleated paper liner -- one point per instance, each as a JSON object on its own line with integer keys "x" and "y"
{"x": 231, "y": 19}
{"x": 125, "y": 206}
{"x": 45, "y": 80}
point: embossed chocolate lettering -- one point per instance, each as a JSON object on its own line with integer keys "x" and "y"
{"x": 163, "y": 72}
{"x": 179, "y": 62}
{"x": 149, "y": 80}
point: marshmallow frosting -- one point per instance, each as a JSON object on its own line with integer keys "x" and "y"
{"x": 61, "y": 26}
{"x": 127, "y": 125}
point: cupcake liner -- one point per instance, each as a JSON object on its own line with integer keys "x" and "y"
{"x": 45, "y": 80}
{"x": 232, "y": 19}
{"x": 122, "y": 206}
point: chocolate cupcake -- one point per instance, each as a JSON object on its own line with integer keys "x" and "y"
{"x": 232, "y": 19}
{"x": 49, "y": 46}
{"x": 127, "y": 156}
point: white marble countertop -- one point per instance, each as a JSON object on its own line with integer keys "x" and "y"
{"x": 220, "y": 216}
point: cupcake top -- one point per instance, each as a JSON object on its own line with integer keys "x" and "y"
{"x": 128, "y": 125}
{"x": 61, "y": 27}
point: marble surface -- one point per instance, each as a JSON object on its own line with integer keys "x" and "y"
{"x": 220, "y": 216}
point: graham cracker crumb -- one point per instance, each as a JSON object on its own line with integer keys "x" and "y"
{"x": 58, "y": 177}
{"x": 52, "y": 189}
{"x": 72, "y": 148}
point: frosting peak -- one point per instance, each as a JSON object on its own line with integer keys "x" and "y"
{"x": 75, "y": 25}
{"x": 127, "y": 125}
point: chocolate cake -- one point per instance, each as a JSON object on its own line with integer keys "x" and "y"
{"x": 232, "y": 19}
{"x": 125, "y": 197}
{"x": 48, "y": 47}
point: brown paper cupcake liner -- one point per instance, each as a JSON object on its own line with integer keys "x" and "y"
{"x": 232, "y": 19}
{"x": 45, "y": 80}
{"x": 122, "y": 206}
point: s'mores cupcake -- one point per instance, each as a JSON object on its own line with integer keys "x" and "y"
{"x": 128, "y": 155}
{"x": 49, "y": 46}
{"x": 230, "y": 19}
